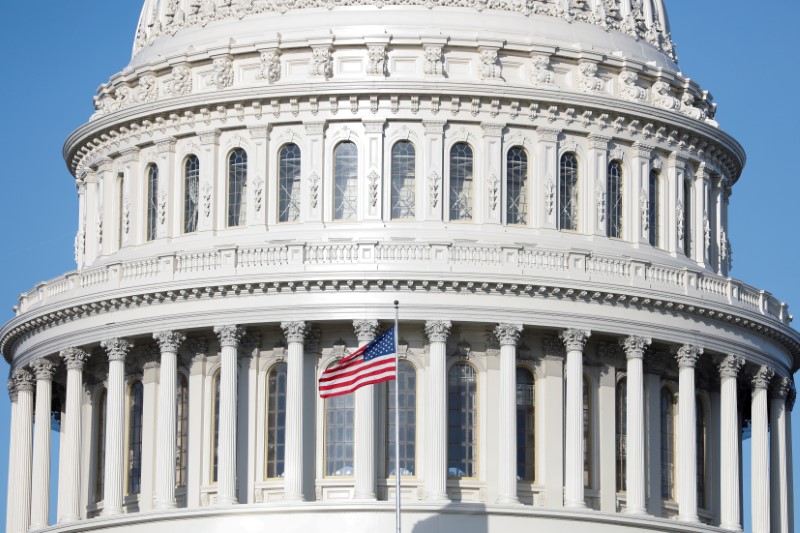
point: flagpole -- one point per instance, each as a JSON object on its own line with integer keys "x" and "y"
{"x": 397, "y": 472}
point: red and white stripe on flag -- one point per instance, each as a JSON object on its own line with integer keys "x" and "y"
{"x": 370, "y": 364}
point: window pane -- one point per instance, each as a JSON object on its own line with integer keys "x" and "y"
{"x": 215, "y": 444}
{"x": 614, "y": 218}
{"x": 191, "y": 191}
{"x": 687, "y": 218}
{"x": 135, "y": 439}
{"x": 700, "y": 435}
{"x": 461, "y": 182}
{"x": 587, "y": 433}
{"x": 667, "y": 444}
{"x": 654, "y": 208}
{"x": 622, "y": 432}
{"x": 276, "y": 420}
{"x": 517, "y": 186}
{"x": 403, "y": 179}
{"x": 289, "y": 194}
{"x": 237, "y": 187}
{"x": 568, "y": 193}
{"x": 339, "y": 433}
{"x": 345, "y": 194}
{"x": 182, "y": 434}
{"x": 407, "y": 401}
{"x": 462, "y": 417}
{"x": 526, "y": 425}
{"x": 100, "y": 446}
{"x": 152, "y": 202}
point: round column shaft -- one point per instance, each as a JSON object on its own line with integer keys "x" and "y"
{"x": 69, "y": 487}
{"x": 166, "y": 438}
{"x": 229, "y": 337}
{"x": 24, "y": 382}
{"x": 13, "y": 446}
{"x": 40, "y": 489}
{"x": 730, "y": 479}
{"x": 634, "y": 439}
{"x": 778, "y": 477}
{"x": 574, "y": 340}
{"x": 436, "y": 406}
{"x": 293, "y": 489}
{"x": 365, "y": 464}
{"x": 687, "y": 434}
{"x": 759, "y": 447}
{"x": 114, "y": 481}
{"x": 508, "y": 335}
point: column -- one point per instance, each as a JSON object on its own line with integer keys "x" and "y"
{"x": 108, "y": 211}
{"x": 595, "y": 191}
{"x": 634, "y": 438}
{"x": 779, "y": 487}
{"x": 790, "y": 399}
{"x": 166, "y": 181}
{"x": 44, "y": 369}
{"x": 229, "y": 337}
{"x": 372, "y": 195}
{"x": 717, "y": 231}
{"x": 80, "y": 237}
{"x": 166, "y": 438}
{"x": 313, "y": 159}
{"x": 209, "y": 155}
{"x": 196, "y": 348}
{"x": 490, "y": 209}
{"x": 24, "y": 384}
{"x": 637, "y": 202}
{"x": 574, "y": 341}
{"x": 508, "y": 335}
{"x": 366, "y": 476}
{"x": 133, "y": 204}
{"x": 701, "y": 225}
{"x": 69, "y": 486}
{"x": 546, "y": 179}
{"x": 437, "y": 332}
{"x": 258, "y": 200}
{"x": 293, "y": 447}
{"x": 730, "y": 505}
{"x": 11, "y": 495}
{"x": 653, "y": 436}
{"x": 673, "y": 221}
{"x": 759, "y": 447}
{"x": 687, "y": 356}
{"x": 550, "y": 426}
{"x": 114, "y": 480}
{"x": 150, "y": 387}
{"x": 433, "y": 180}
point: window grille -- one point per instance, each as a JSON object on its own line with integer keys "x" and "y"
{"x": 339, "y": 435}
{"x": 403, "y": 180}
{"x": 135, "y": 438}
{"x": 276, "y": 421}
{"x": 517, "y": 186}
{"x": 237, "y": 187}
{"x": 622, "y": 433}
{"x": 152, "y": 202}
{"x": 462, "y": 421}
{"x": 100, "y": 447}
{"x": 668, "y": 414}
{"x": 654, "y": 211}
{"x": 191, "y": 192}
{"x": 289, "y": 177}
{"x": 526, "y": 425}
{"x": 182, "y": 434}
{"x": 461, "y": 174}
{"x": 614, "y": 203}
{"x": 345, "y": 194}
{"x": 407, "y": 405}
{"x": 568, "y": 193}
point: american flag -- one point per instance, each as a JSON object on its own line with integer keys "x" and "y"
{"x": 370, "y": 364}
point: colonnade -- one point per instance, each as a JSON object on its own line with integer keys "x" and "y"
{"x": 772, "y": 400}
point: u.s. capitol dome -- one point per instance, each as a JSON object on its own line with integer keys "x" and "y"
{"x": 535, "y": 181}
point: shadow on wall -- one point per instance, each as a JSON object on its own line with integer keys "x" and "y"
{"x": 456, "y": 518}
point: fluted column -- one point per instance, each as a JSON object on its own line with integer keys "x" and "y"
{"x": 293, "y": 446}
{"x": 759, "y": 447}
{"x": 790, "y": 399}
{"x": 574, "y": 341}
{"x": 166, "y": 438}
{"x": 437, "y": 332}
{"x": 366, "y": 476}
{"x": 24, "y": 384}
{"x": 44, "y": 369}
{"x": 687, "y": 356}
{"x": 12, "y": 495}
{"x": 779, "y": 465}
{"x": 508, "y": 335}
{"x": 730, "y": 479}
{"x": 114, "y": 481}
{"x": 229, "y": 337}
{"x": 634, "y": 439}
{"x": 69, "y": 486}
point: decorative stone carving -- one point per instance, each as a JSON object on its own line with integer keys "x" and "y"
{"x": 762, "y": 377}
{"x": 679, "y": 216}
{"x": 181, "y": 81}
{"x": 74, "y": 358}
{"x": 644, "y": 207}
{"x": 689, "y": 109}
{"x": 730, "y": 366}
{"x": 80, "y": 246}
{"x": 553, "y": 348}
{"x": 628, "y": 90}
{"x": 434, "y": 183}
{"x": 588, "y": 81}
{"x": 575, "y": 339}
{"x": 147, "y": 90}
{"x": 434, "y": 66}
{"x": 687, "y": 355}
{"x": 724, "y": 244}
{"x": 162, "y": 208}
{"x": 600, "y": 195}
{"x": 489, "y": 67}
{"x": 98, "y": 229}
{"x": 44, "y": 368}
{"x": 222, "y": 76}
{"x": 169, "y": 341}
{"x": 270, "y": 66}
{"x": 549, "y": 195}
{"x": 781, "y": 386}
{"x": 438, "y": 330}
{"x": 321, "y": 62}
{"x": 374, "y": 182}
{"x": 634, "y": 346}
{"x": 494, "y": 191}
{"x": 229, "y": 335}
{"x": 23, "y": 380}
{"x": 196, "y": 346}
{"x": 313, "y": 189}
{"x": 376, "y": 66}
{"x": 508, "y": 334}
{"x": 258, "y": 193}
{"x": 366, "y": 330}
{"x": 251, "y": 344}
{"x": 116, "y": 349}
{"x": 662, "y": 98}
{"x": 295, "y": 331}
{"x": 542, "y": 74}
{"x": 706, "y": 234}
{"x": 207, "y": 190}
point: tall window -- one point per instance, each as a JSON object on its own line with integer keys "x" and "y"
{"x": 654, "y": 210}
{"x": 614, "y": 218}
{"x": 152, "y": 202}
{"x": 462, "y": 421}
{"x": 461, "y": 182}
{"x": 215, "y": 427}
{"x": 136, "y": 393}
{"x": 403, "y": 180}
{"x": 182, "y": 434}
{"x": 345, "y": 186}
{"x": 100, "y": 447}
{"x": 120, "y": 209}
{"x": 622, "y": 432}
{"x": 700, "y": 435}
{"x": 517, "y": 186}
{"x": 526, "y": 425}
{"x": 289, "y": 183}
{"x": 407, "y": 407}
{"x": 668, "y": 413}
{"x": 587, "y": 432}
{"x": 191, "y": 192}
{"x": 237, "y": 187}
{"x": 339, "y": 435}
{"x": 687, "y": 218}
{"x": 568, "y": 193}
{"x": 276, "y": 420}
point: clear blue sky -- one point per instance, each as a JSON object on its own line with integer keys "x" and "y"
{"x": 58, "y": 52}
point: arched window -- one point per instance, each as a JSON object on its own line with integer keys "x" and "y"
{"x": 191, "y": 193}
{"x": 237, "y": 187}
{"x": 654, "y": 209}
{"x": 100, "y": 446}
{"x": 687, "y": 218}
{"x": 152, "y": 202}
{"x": 668, "y": 414}
{"x": 407, "y": 406}
{"x": 215, "y": 426}
{"x": 120, "y": 209}
{"x": 276, "y": 420}
{"x": 135, "y": 405}
{"x": 182, "y": 434}
{"x": 404, "y": 164}
{"x": 517, "y": 186}
{"x": 289, "y": 165}
{"x": 568, "y": 192}
{"x": 526, "y": 425}
{"x": 622, "y": 432}
{"x": 587, "y": 432}
{"x": 462, "y": 421}
{"x": 701, "y": 436}
{"x": 339, "y": 435}
{"x": 345, "y": 187}
{"x": 614, "y": 187}
{"x": 461, "y": 182}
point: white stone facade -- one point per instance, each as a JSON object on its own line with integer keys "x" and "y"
{"x": 536, "y": 183}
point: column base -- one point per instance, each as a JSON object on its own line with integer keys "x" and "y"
{"x": 437, "y": 497}
{"x": 293, "y": 497}
{"x": 366, "y": 497}
{"x": 689, "y": 519}
{"x": 68, "y": 519}
{"x": 635, "y": 512}
{"x": 225, "y": 501}
{"x": 507, "y": 500}
{"x": 35, "y": 527}
{"x": 576, "y": 504}
{"x": 114, "y": 511}
{"x": 165, "y": 506}
{"x": 731, "y": 527}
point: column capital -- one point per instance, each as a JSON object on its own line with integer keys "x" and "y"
{"x": 229, "y": 335}
{"x": 44, "y": 368}
{"x": 12, "y": 389}
{"x": 635, "y": 346}
{"x": 196, "y": 346}
{"x": 791, "y": 397}
{"x": 780, "y": 388}
{"x": 575, "y": 339}
{"x": 169, "y": 340}
{"x": 74, "y": 358}
{"x": 116, "y": 349}
{"x": 438, "y": 330}
{"x": 687, "y": 355}
{"x": 295, "y": 331}
{"x": 23, "y": 380}
{"x": 762, "y": 378}
{"x": 366, "y": 330}
{"x": 508, "y": 334}
{"x": 730, "y": 366}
